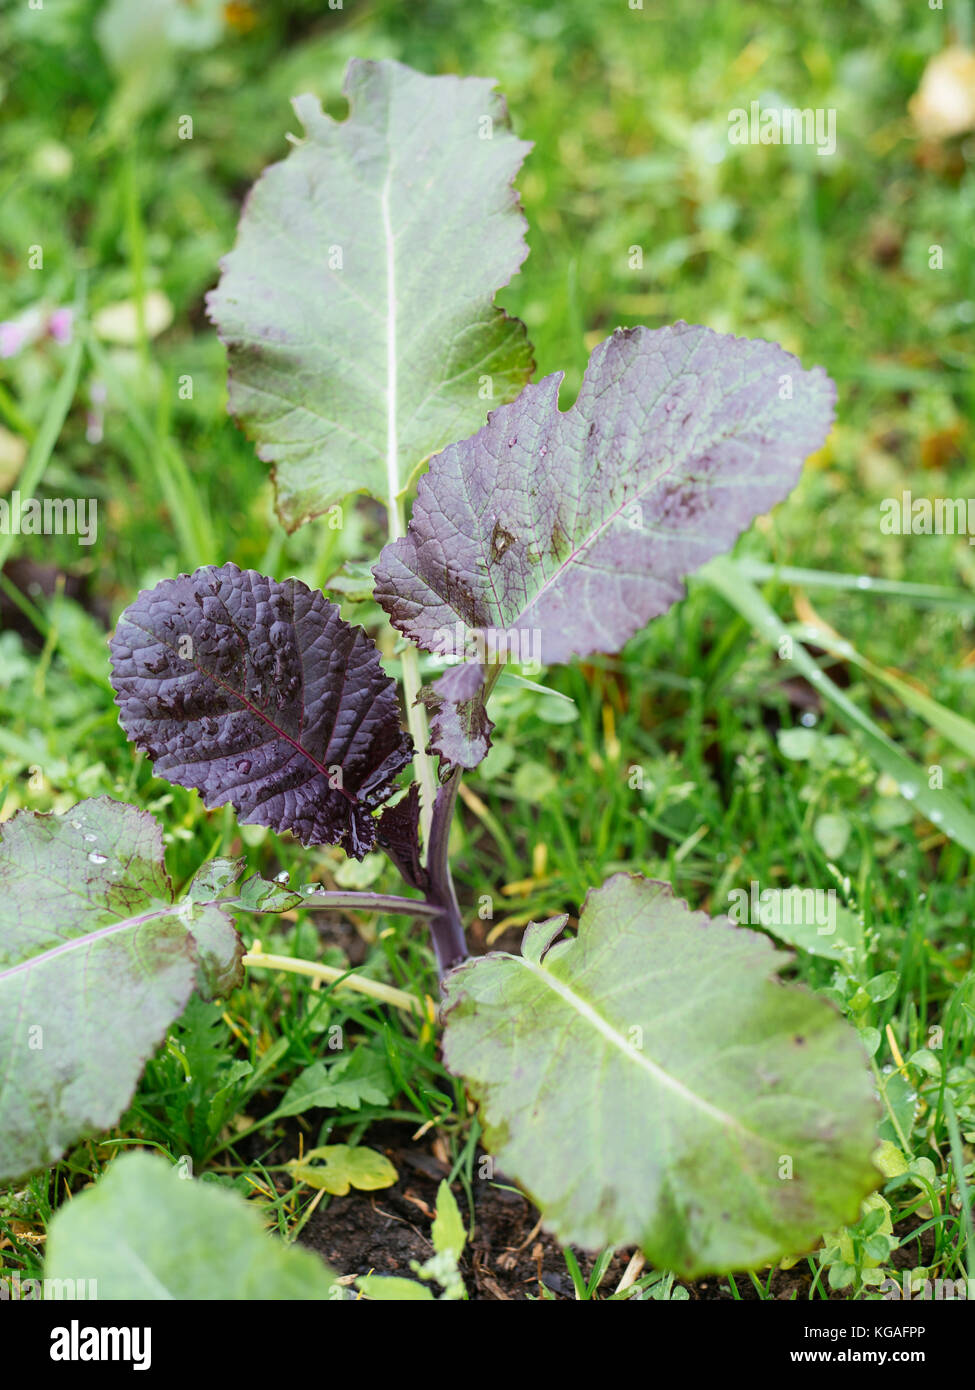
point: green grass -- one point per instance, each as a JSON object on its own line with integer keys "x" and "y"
{"x": 628, "y": 112}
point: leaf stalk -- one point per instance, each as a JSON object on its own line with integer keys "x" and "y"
{"x": 361, "y": 902}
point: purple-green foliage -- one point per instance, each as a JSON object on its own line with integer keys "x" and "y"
{"x": 576, "y": 527}
{"x": 258, "y": 693}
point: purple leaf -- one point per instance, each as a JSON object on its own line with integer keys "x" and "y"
{"x": 257, "y": 693}
{"x": 398, "y": 831}
{"x": 459, "y": 726}
{"x": 460, "y": 683}
{"x": 558, "y": 533}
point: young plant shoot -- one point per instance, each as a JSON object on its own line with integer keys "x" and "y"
{"x": 646, "y": 1078}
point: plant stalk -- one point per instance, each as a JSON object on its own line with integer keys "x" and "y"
{"x": 332, "y": 975}
{"x": 416, "y": 715}
{"x": 447, "y": 929}
{"x": 365, "y": 902}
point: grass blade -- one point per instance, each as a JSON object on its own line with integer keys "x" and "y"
{"x": 941, "y": 807}
{"x": 50, "y": 429}
{"x": 926, "y": 595}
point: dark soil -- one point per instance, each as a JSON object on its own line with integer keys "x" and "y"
{"x": 381, "y": 1232}
{"x": 34, "y": 581}
{"x": 510, "y": 1258}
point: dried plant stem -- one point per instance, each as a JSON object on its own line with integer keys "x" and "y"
{"x": 342, "y": 979}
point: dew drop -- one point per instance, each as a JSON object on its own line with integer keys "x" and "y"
{"x": 282, "y": 877}
{"x": 864, "y": 582}
{"x": 91, "y": 839}
{"x": 936, "y": 817}
{"x": 97, "y": 858}
{"x": 908, "y": 790}
{"x": 76, "y": 825}
{"x": 243, "y": 767}
{"x": 808, "y": 720}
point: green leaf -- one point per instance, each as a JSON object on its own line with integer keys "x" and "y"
{"x": 342, "y": 1167}
{"x": 143, "y": 1232}
{"x": 361, "y": 1076}
{"x": 890, "y": 1160}
{"x": 96, "y": 960}
{"x": 900, "y": 1100}
{"x": 876, "y": 1247}
{"x": 357, "y": 306}
{"x": 872, "y": 1221}
{"x": 797, "y": 744}
{"x": 258, "y": 895}
{"x": 448, "y": 1231}
{"x": 832, "y": 834}
{"x": 924, "y": 1059}
{"x": 697, "y": 1106}
{"x": 358, "y": 875}
{"x": 218, "y": 948}
{"x": 389, "y": 1289}
{"x": 835, "y": 939}
{"x": 354, "y": 581}
{"x": 883, "y": 986}
{"x": 214, "y": 879}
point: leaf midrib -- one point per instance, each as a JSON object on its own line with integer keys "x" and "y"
{"x": 88, "y": 938}
{"x": 392, "y": 435}
{"x": 253, "y": 709}
{"x": 606, "y": 1029}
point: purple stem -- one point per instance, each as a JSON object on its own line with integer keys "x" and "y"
{"x": 366, "y": 902}
{"x": 447, "y": 929}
